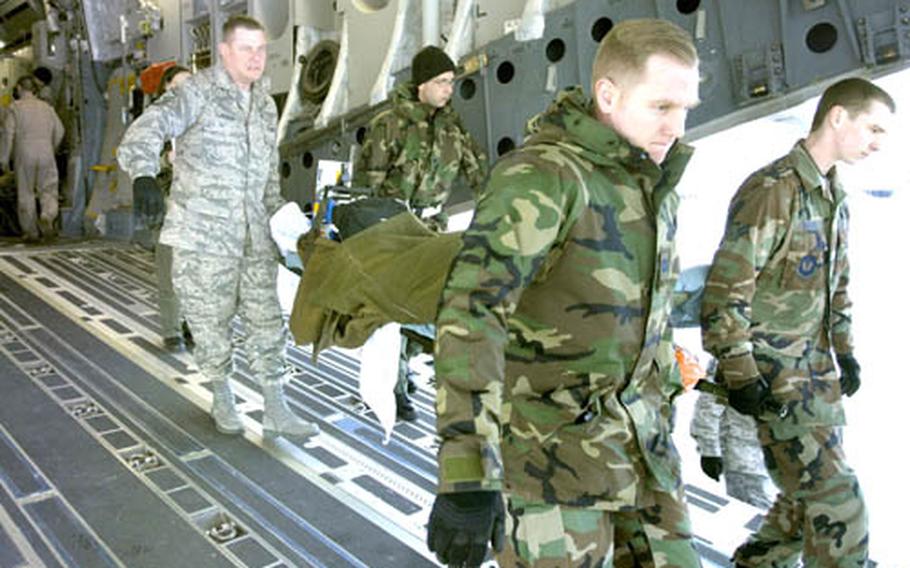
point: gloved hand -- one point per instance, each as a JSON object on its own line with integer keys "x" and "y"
{"x": 749, "y": 399}
{"x": 849, "y": 374}
{"x": 712, "y": 466}
{"x": 461, "y": 525}
{"x": 148, "y": 200}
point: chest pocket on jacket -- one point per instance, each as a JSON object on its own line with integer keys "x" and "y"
{"x": 806, "y": 264}
{"x": 447, "y": 146}
{"x": 222, "y": 135}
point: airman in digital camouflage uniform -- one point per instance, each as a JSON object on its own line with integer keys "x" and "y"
{"x": 224, "y": 190}
{"x": 728, "y": 445}
{"x": 776, "y": 314}
{"x": 554, "y": 362}
{"x": 414, "y": 152}
{"x": 727, "y": 441}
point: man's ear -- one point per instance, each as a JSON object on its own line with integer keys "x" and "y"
{"x": 606, "y": 95}
{"x": 837, "y": 116}
{"x": 420, "y": 89}
{"x": 222, "y": 49}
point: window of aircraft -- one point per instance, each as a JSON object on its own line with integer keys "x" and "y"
{"x": 821, "y": 37}
{"x": 467, "y": 89}
{"x": 556, "y": 49}
{"x": 687, "y": 6}
{"x": 504, "y": 146}
{"x": 505, "y": 72}
{"x": 600, "y": 28}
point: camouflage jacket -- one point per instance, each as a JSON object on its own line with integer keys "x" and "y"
{"x": 776, "y": 296}
{"x": 554, "y": 363}
{"x": 225, "y": 185}
{"x": 416, "y": 155}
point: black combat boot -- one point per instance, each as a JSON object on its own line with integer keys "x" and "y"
{"x": 404, "y": 408}
{"x": 187, "y": 336}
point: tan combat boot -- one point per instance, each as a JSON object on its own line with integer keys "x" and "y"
{"x": 279, "y": 419}
{"x": 227, "y": 421}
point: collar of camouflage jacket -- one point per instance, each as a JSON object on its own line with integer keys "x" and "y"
{"x": 570, "y": 119}
{"x": 258, "y": 90}
{"x": 812, "y": 178}
{"x": 406, "y": 103}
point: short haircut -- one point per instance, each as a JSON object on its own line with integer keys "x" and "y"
{"x": 28, "y": 83}
{"x": 238, "y": 22}
{"x": 168, "y": 76}
{"x": 624, "y": 51}
{"x": 855, "y": 95}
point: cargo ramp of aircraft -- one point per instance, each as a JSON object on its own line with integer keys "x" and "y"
{"x": 108, "y": 456}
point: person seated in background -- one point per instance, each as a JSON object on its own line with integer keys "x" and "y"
{"x": 414, "y": 152}
{"x": 174, "y": 329}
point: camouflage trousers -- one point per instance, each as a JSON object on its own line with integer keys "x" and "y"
{"x": 541, "y": 535}
{"x": 751, "y": 488}
{"x": 168, "y": 306}
{"x": 409, "y": 350}
{"x": 212, "y": 290}
{"x": 819, "y": 513}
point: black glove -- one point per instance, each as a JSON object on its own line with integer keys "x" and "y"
{"x": 461, "y": 525}
{"x": 712, "y": 466}
{"x": 849, "y": 374}
{"x": 750, "y": 399}
{"x": 148, "y": 200}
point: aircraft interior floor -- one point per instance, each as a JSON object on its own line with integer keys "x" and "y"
{"x": 108, "y": 456}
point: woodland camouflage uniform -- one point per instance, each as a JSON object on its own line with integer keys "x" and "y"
{"x": 554, "y": 361}
{"x": 415, "y": 154}
{"x": 776, "y": 306}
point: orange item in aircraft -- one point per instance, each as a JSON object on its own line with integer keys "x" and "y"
{"x": 689, "y": 367}
{"x": 151, "y": 76}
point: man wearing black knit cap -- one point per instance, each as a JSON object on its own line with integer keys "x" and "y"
{"x": 414, "y": 152}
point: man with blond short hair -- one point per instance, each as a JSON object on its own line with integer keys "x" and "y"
{"x": 554, "y": 360}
